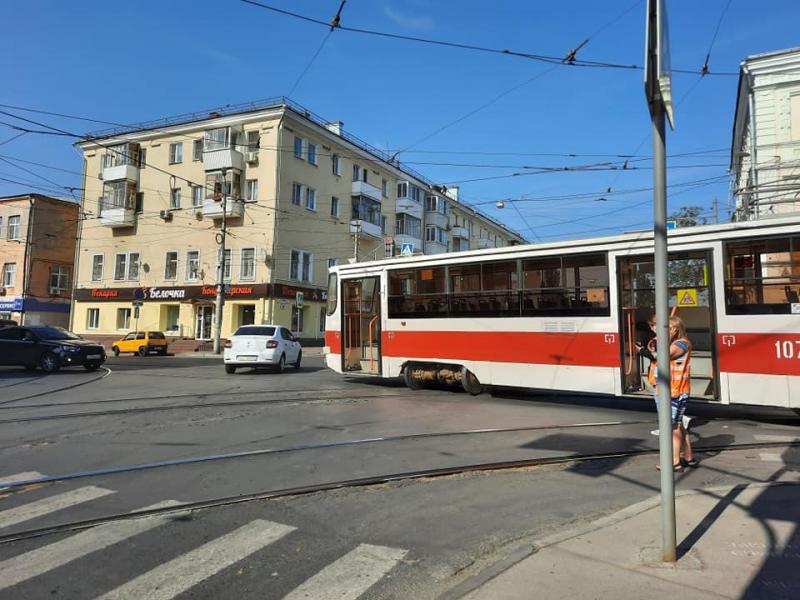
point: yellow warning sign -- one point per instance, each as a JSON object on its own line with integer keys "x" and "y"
{"x": 687, "y": 298}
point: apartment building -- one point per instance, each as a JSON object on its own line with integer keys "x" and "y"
{"x": 765, "y": 150}
{"x": 37, "y": 249}
{"x": 298, "y": 194}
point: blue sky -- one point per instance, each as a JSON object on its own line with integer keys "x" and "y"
{"x": 132, "y": 61}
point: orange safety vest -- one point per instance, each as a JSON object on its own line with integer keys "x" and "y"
{"x": 679, "y": 371}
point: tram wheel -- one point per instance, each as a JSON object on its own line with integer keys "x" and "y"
{"x": 470, "y": 382}
{"x": 412, "y": 383}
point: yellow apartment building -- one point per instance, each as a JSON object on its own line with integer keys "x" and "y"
{"x": 37, "y": 249}
{"x": 297, "y": 193}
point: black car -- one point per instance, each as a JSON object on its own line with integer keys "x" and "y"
{"x": 49, "y": 348}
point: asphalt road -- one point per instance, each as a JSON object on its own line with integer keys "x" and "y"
{"x": 422, "y": 538}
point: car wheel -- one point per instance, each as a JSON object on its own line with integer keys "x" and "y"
{"x": 91, "y": 366}
{"x": 49, "y": 362}
{"x": 230, "y": 369}
{"x": 143, "y": 351}
{"x": 299, "y": 358}
{"x": 279, "y": 368}
{"x": 115, "y": 350}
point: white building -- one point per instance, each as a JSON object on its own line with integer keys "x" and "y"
{"x": 765, "y": 150}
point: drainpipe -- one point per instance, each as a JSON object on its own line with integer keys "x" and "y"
{"x": 27, "y": 259}
{"x": 273, "y": 258}
{"x": 76, "y": 260}
{"x": 751, "y": 100}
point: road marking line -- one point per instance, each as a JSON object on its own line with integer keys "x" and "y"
{"x": 46, "y": 558}
{"x": 178, "y": 575}
{"x": 770, "y": 457}
{"x": 351, "y": 575}
{"x": 25, "y": 476}
{"x": 32, "y": 510}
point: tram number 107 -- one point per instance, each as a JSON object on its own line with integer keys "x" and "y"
{"x": 786, "y": 349}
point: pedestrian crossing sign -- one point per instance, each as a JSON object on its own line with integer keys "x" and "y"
{"x": 407, "y": 250}
{"x": 687, "y": 298}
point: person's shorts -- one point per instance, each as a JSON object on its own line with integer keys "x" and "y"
{"x": 678, "y": 408}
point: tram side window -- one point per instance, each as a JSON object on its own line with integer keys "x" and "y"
{"x": 484, "y": 289}
{"x": 569, "y": 285}
{"x": 417, "y": 293}
{"x": 762, "y": 276}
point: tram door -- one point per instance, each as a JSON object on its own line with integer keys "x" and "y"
{"x": 361, "y": 326}
{"x": 690, "y": 297}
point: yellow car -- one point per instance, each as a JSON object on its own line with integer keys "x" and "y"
{"x": 141, "y": 343}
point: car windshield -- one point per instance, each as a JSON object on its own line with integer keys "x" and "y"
{"x": 264, "y": 331}
{"x": 54, "y": 333}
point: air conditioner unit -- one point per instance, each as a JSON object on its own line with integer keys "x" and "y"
{"x": 166, "y": 215}
{"x": 252, "y": 157}
{"x": 54, "y": 291}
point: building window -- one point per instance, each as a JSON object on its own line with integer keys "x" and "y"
{"x": 435, "y": 234}
{"x": 171, "y": 266}
{"x": 175, "y": 198}
{"x": 300, "y": 265}
{"x": 216, "y": 139}
{"x": 436, "y": 204}
{"x": 247, "y": 271}
{"x": 408, "y": 225}
{"x": 123, "y": 319}
{"x": 334, "y": 206}
{"x": 253, "y": 142}
{"x": 92, "y": 318}
{"x": 311, "y": 198}
{"x": 13, "y": 227}
{"x": 331, "y": 262}
{"x": 216, "y": 186}
{"x": 366, "y": 209}
{"x": 312, "y": 153}
{"x": 402, "y": 189}
{"x": 297, "y": 193}
{"x": 336, "y": 165}
{"x": 298, "y": 147}
{"x": 385, "y": 188}
{"x": 251, "y": 190}
{"x": 97, "y": 267}
{"x": 297, "y": 319}
{"x": 59, "y": 280}
{"x": 171, "y": 318}
{"x": 356, "y": 172}
{"x": 197, "y": 196}
{"x": 383, "y": 224}
{"x": 192, "y": 265}
{"x": 322, "y": 311}
{"x": 126, "y": 266}
{"x": 9, "y": 275}
{"x": 176, "y": 153}
{"x": 142, "y": 158}
{"x": 197, "y": 150}
{"x": 226, "y": 265}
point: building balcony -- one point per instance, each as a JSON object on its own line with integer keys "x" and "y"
{"x": 224, "y": 158}
{"x": 435, "y": 248}
{"x": 437, "y": 218}
{"x": 117, "y": 216}
{"x": 362, "y": 188}
{"x": 366, "y": 228}
{"x": 460, "y": 232}
{"x": 484, "y": 243}
{"x": 127, "y": 172}
{"x": 409, "y": 207}
{"x": 402, "y": 238}
{"x": 213, "y": 209}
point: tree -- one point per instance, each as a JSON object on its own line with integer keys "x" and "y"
{"x": 689, "y": 216}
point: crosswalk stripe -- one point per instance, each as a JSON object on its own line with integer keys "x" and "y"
{"x": 32, "y": 510}
{"x": 41, "y": 560}
{"x": 178, "y": 575}
{"x": 351, "y": 575}
{"x": 20, "y": 477}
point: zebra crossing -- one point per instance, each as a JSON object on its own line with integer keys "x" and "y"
{"x": 346, "y": 578}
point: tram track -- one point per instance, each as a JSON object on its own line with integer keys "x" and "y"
{"x": 433, "y": 473}
{"x": 61, "y": 389}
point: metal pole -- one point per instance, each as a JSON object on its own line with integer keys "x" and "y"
{"x": 668, "y": 543}
{"x": 221, "y": 269}
{"x": 355, "y": 243}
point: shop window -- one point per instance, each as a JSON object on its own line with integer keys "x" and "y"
{"x": 297, "y": 319}
{"x": 247, "y": 314}
{"x": 92, "y": 318}
{"x": 123, "y": 319}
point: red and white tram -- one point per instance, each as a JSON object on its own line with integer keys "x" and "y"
{"x": 567, "y": 315}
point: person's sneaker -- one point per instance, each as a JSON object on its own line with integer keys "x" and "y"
{"x": 686, "y": 421}
{"x": 655, "y": 432}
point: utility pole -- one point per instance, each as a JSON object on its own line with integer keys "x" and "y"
{"x": 221, "y": 268}
{"x": 356, "y": 230}
{"x": 715, "y": 210}
{"x": 659, "y": 96}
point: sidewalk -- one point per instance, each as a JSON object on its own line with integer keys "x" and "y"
{"x": 735, "y": 542}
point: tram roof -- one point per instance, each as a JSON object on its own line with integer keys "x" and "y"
{"x": 776, "y": 225}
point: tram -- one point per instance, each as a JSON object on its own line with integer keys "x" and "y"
{"x": 567, "y": 315}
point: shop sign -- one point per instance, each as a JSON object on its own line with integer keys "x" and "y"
{"x": 9, "y": 304}
{"x": 280, "y": 290}
{"x": 148, "y": 294}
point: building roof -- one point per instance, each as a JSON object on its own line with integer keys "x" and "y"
{"x": 278, "y": 102}
{"x": 38, "y": 197}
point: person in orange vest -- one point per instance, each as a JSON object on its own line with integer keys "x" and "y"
{"x": 680, "y": 352}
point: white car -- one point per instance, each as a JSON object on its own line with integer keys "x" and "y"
{"x": 262, "y": 346}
